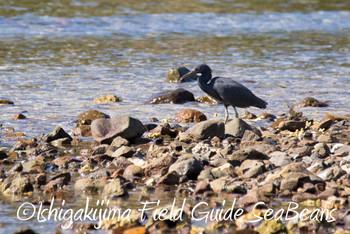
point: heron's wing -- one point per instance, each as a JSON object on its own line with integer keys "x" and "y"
{"x": 234, "y": 93}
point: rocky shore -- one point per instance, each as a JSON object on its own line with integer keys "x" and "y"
{"x": 263, "y": 164}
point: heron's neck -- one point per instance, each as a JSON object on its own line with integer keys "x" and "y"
{"x": 203, "y": 82}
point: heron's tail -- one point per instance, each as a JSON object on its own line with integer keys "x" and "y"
{"x": 260, "y": 103}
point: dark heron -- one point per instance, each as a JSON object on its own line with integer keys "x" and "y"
{"x": 227, "y": 91}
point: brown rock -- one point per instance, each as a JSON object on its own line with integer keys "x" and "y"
{"x": 189, "y": 115}
{"x": 291, "y": 125}
{"x": 208, "y": 99}
{"x": 6, "y": 102}
{"x": 107, "y": 98}
{"x": 132, "y": 171}
{"x": 202, "y": 186}
{"x": 164, "y": 129}
{"x": 313, "y": 102}
{"x": 87, "y": 117}
{"x": 19, "y": 116}
{"x": 159, "y": 166}
{"x": 125, "y": 151}
{"x": 252, "y": 197}
{"x": 171, "y": 178}
{"x": 15, "y": 134}
{"x": 83, "y": 130}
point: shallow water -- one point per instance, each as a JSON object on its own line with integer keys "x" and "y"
{"x": 57, "y": 56}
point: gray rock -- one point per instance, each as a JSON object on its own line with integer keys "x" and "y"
{"x": 19, "y": 186}
{"x": 105, "y": 130}
{"x": 99, "y": 174}
{"x": 252, "y": 168}
{"x": 114, "y": 189}
{"x": 332, "y": 173}
{"x": 279, "y": 159}
{"x": 206, "y": 129}
{"x": 206, "y": 174}
{"x": 321, "y": 150}
{"x": 57, "y": 133}
{"x": 125, "y": 151}
{"x": 237, "y": 127}
{"x": 240, "y": 155}
{"x": 188, "y": 166}
{"x": 174, "y": 75}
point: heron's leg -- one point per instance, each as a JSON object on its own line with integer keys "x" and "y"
{"x": 226, "y": 116}
{"x": 237, "y": 116}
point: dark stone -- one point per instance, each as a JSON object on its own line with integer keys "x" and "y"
{"x": 57, "y": 133}
{"x": 177, "y": 96}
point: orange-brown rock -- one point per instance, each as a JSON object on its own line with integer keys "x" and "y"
{"x": 189, "y": 115}
{"x": 19, "y": 116}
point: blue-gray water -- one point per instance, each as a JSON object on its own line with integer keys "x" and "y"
{"x": 57, "y": 56}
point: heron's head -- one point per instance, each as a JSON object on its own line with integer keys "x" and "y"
{"x": 201, "y": 69}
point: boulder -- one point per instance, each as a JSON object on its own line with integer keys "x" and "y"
{"x": 206, "y": 129}
{"x": 237, "y": 127}
{"x": 105, "y": 130}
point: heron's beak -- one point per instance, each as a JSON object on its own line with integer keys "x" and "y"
{"x": 188, "y": 74}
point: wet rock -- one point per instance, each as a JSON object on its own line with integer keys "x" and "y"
{"x": 159, "y": 166}
{"x": 271, "y": 117}
{"x": 189, "y": 116}
{"x": 252, "y": 168}
{"x": 187, "y": 165}
{"x": 66, "y": 176}
{"x": 19, "y": 116}
{"x": 208, "y": 99}
{"x": 83, "y": 130}
{"x": 237, "y": 157}
{"x": 99, "y": 174}
{"x": 35, "y": 165}
{"x": 171, "y": 178}
{"x": 87, "y": 117}
{"x": 132, "y": 172}
{"x": 252, "y": 197}
{"x": 272, "y": 226}
{"x": 202, "y": 186}
{"x": 237, "y": 127}
{"x": 24, "y": 230}
{"x": 164, "y": 129}
{"x": 174, "y": 75}
{"x": 124, "y": 151}
{"x": 57, "y": 133}
{"x": 89, "y": 186}
{"x": 205, "y": 129}
{"x": 6, "y": 102}
{"x": 3, "y": 155}
{"x": 105, "y": 130}
{"x": 248, "y": 115}
{"x": 279, "y": 158}
{"x": 114, "y": 189}
{"x": 313, "y": 102}
{"x": 291, "y": 125}
{"x": 107, "y": 98}
{"x": 63, "y": 162}
{"x": 228, "y": 185}
{"x": 177, "y": 96}
{"x": 19, "y": 186}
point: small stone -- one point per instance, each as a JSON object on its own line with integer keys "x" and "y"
{"x": 202, "y": 186}
{"x": 208, "y": 99}
{"x": 87, "y": 117}
{"x": 174, "y": 75}
{"x": 313, "y": 102}
{"x": 159, "y": 166}
{"x": 107, "y": 98}
{"x": 237, "y": 127}
{"x": 279, "y": 158}
{"x": 189, "y": 116}
{"x": 19, "y": 116}
{"x": 19, "y": 186}
{"x": 291, "y": 125}
{"x": 187, "y": 165}
{"x": 164, "y": 129}
{"x": 6, "y": 102}
{"x": 57, "y": 133}
{"x": 177, "y": 96}
{"x": 171, "y": 178}
{"x": 133, "y": 171}
{"x": 248, "y": 115}
{"x": 206, "y": 129}
{"x": 114, "y": 189}
{"x": 241, "y": 155}
{"x": 83, "y": 130}
{"x": 125, "y": 151}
